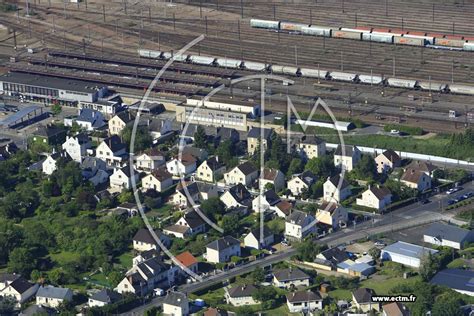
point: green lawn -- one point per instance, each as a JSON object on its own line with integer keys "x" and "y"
{"x": 341, "y": 294}
{"x": 282, "y": 310}
{"x": 99, "y": 279}
{"x": 64, "y": 257}
{"x": 125, "y": 260}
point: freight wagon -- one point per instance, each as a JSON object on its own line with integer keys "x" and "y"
{"x": 356, "y": 35}
{"x": 316, "y": 31}
{"x": 292, "y": 27}
{"x": 265, "y": 24}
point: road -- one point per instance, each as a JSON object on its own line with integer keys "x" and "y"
{"x": 409, "y": 216}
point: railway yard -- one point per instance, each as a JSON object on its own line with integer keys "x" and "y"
{"x": 98, "y": 42}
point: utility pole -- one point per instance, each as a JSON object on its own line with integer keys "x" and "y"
{"x": 242, "y": 8}
{"x": 433, "y": 18}
{"x": 296, "y": 56}
{"x": 342, "y": 61}
{"x": 274, "y": 12}
{"x": 310, "y": 16}
{"x": 103, "y": 11}
{"x": 394, "y": 66}
{"x": 27, "y": 8}
{"x": 355, "y": 19}
{"x": 452, "y": 71}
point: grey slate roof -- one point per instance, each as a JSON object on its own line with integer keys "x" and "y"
{"x": 256, "y": 133}
{"x": 21, "y": 285}
{"x": 91, "y": 116}
{"x": 193, "y": 219}
{"x": 307, "y": 177}
{"x": 245, "y": 290}
{"x": 240, "y": 194}
{"x": 53, "y": 292}
{"x": 335, "y": 181}
{"x": 271, "y": 197}
{"x": 363, "y": 295}
{"x": 297, "y": 217}
{"x": 290, "y": 274}
{"x": 335, "y": 255}
{"x": 223, "y": 243}
{"x": 408, "y": 250}
{"x": 391, "y": 155}
{"x": 349, "y": 150}
{"x": 303, "y": 296}
{"x": 175, "y": 299}
{"x": 455, "y": 279}
{"x": 115, "y": 143}
{"x": 106, "y": 296}
{"x": 266, "y": 232}
{"x": 247, "y": 168}
{"x": 312, "y": 140}
{"x": 449, "y": 232}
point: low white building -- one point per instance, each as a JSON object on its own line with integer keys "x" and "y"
{"x": 445, "y": 235}
{"x": 158, "y": 180}
{"x": 298, "y": 225}
{"x": 273, "y": 177}
{"x": 375, "y": 197}
{"x": 256, "y": 240}
{"x": 301, "y": 182}
{"x": 222, "y": 250}
{"x": 17, "y": 288}
{"x": 304, "y": 301}
{"x": 290, "y": 278}
{"x": 416, "y": 179}
{"x": 103, "y": 297}
{"x": 52, "y": 296}
{"x": 406, "y": 254}
{"x": 312, "y": 147}
{"x": 176, "y": 304}
{"x": 333, "y": 193}
{"x": 122, "y": 178}
{"x": 245, "y": 173}
{"x": 184, "y": 165}
{"x": 150, "y": 160}
{"x": 332, "y": 214}
{"x": 241, "y": 295}
{"x": 50, "y": 163}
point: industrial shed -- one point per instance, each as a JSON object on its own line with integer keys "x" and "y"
{"x": 405, "y": 253}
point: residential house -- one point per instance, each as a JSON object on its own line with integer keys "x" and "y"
{"x": 210, "y": 170}
{"x": 176, "y": 304}
{"x": 227, "y": 134}
{"x": 159, "y": 128}
{"x": 290, "y": 278}
{"x": 237, "y": 196}
{"x": 332, "y": 191}
{"x": 216, "y": 312}
{"x": 448, "y": 236}
{"x": 332, "y": 214}
{"x": 7, "y": 149}
{"x": 241, "y": 295}
{"x": 199, "y": 154}
{"x": 87, "y": 119}
{"x": 150, "y": 160}
{"x": 299, "y": 224}
{"x": 375, "y": 197}
{"x": 272, "y": 177}
{"x": 346, "y": 157}
{"x": 405, "y": 253}
{"x": 416, "y": 179}
{"x": 190, "y": 224}
{"x": 221, "y": 250}
{"x": 356, "y": 268}
{"x": 52, "y": 296}
{"x": 458, "y": 280}
{"x": 245, "y": 173}
{"x": 256, "y": 240}
{"x": 301, "y": 183}
{"x": 265, "y": 202}
{"x": 49, "y": 134}
{"x": 122, "y": 178}
{"x": 159, "y": 180}
{"x": 144, "y": 256}
{"x": 331, "y": 258}
{"x": 193, "y": 193}
{"x": 255, "y": 139}
{"x": 120, "y": 121}
{"x": 395, "y": 309}
{"x": 312, "y": 147}
{"x": 94, "y": 170}
{"x": 50, "y": 164}
{"x": 188, "y": 261}
{"x": 387, "y": 161}
{"x": 17, "y": 288}
{"x": 112, "y": 151}
{"x": 182, "y": 166}
{"x": 362, "y": 299}
{"x": 424, "y": 166}
{"x": 104, "y": 297}
{"x": 131, "y": 209}
{"x": 283, "y": 208}
{"x": 144, "y": 241}
{"x": 304, "y": 301}
{"x": 76, "y": 146}
{"x": 107, "y": 107}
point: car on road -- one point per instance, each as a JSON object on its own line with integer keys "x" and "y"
{"x": 425, "y": 201}
{"x": 453, "y": 190}
{"x": 395, "y": 132}
{"x": 379, "y": 243}
{"x": 468, "y": 195}
{"x": 451, "y": 202}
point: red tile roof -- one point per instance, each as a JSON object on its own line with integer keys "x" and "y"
{"x": 187, "y": 259}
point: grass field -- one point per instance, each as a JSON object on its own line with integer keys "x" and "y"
{"x": 64, "y": 257}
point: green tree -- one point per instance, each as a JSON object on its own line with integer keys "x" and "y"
{"x": 267, "y": 296}
{"x": 200, "y": 138}
{"x": 226, "y": 153}
{"x": 429, "y": 267}
{"x": 322, "y": 167}
{"x": 56, "y": 109}
{"x": 22, "y": 260}
{"x": 142, "y": 138}
{"x": 125, "y": 196}
{"x": 365, "y": 169}
{"x": 307, "y": 250}
{"x": 11, "y": 236}
{"x": 213, "y": 208}
{"x": 7, "y": 306}
{"x": 375, "y": 253}
{"x": 448, "y": 305}
{"x": 296, "y": 166}
{"x": 230, "y": 224}
{"x": 244, "y": 311}
{"x": 258, "y": 275}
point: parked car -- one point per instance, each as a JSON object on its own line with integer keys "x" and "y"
{"x": 451, "y": 202}
{"x": 424, "y": 201}
{"x": 379, "y": 243}
{"x": 468, "y": 195}
{"x": 453, "y": 190}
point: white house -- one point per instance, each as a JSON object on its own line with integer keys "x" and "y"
{"x": 87, "y": 119}
{"x": 290, "y": 278}
{"x": 405, "y": 253}
{"x": 256, "y": 240}
{"x": 103, "y": 297}
{"x": 144, "y": 241}
{"x": 221, "y": 250}
{"x": 298, "y": 225}
{"x": 17, "y": 288}
{"x": 362, "y": 300}
{"x": 416, "y": 179}
{"x": 301, "y": 182}
{"x": 255, "y": 140}
{"x": 376, "y": 197}
{"x": 312, "y": 147}
{"x": 304, "y": 301}
{"x": 193, "y": 192}
{"x": 176, "y": 304}
{"x": 112, "y": 151}
{"x": 245, "y": 173}
{"x": 273, "y": 177}
{"x": 388, "y": 160}
{"x": 50, "y": 163}
{"x": 184, "y": 165}
{"x": 210, "y": 170}
{"x": 52, "y": 296}
{"x": 120, "y": 121}
{"x": 346, "y": 157}
{"x": 236, "y": 196}
{"x": 241, "y": 295}
{"x": 122, "y": 178}
{"x": 448, "y": 235}
{"x": 150, "y": 160}
{"x": 332, "y": 214}
{"x": 191, "y": 223}
{"x": 76, "y": 146}
{"x": 331, "y": 192}
{"x": 94, "y": 170}
{"x": 158, "y": 128}
{"x": 158, "y": 180}
{"x": 265, "y": 202}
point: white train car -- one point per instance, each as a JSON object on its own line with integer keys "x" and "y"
{"x": 432, "y": 86}
{"x": 265, "y": 24}
{"x": 314, "y": 30}
{"x": 402, "y": 83}
{"x": 371, "y": 79}
{"x": 292, "y": 27}
{"x": 468, "y": 46}
{"x": 343, "y": 76}
{"x": 285, "y": 70}
{"x": 229, "y": 63}
{"x": 314, "y": 73}
{"x": 461, "y": 89}
{"x": 251, "y": 65}
{"x": 378, "y": 37}
{"x": 202, "y": 60}
{"x": 150, "y": 53}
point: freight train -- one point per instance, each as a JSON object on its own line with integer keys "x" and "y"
{"x": 319, "y": 74}
{"x": 362, "y": 33}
